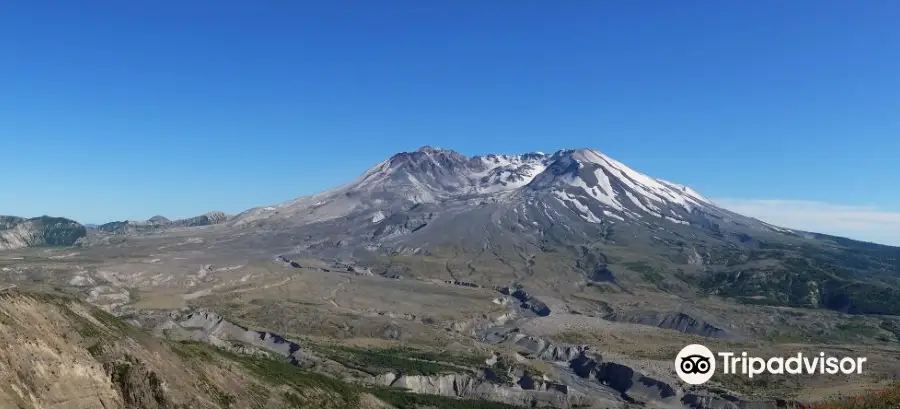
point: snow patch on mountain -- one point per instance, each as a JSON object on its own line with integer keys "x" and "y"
{"x": 646, "y": 186}
{"x": 584, "y": 211}
{"x": 608, "y": 213}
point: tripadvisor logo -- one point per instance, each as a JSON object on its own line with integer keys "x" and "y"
{"x": 696, "y": 364}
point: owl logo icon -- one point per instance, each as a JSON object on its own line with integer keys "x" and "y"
{"x": 695, "y": 364}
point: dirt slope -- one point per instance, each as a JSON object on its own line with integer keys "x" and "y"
{"x": 59, "y": 353}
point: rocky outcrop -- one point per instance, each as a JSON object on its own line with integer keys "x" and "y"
{"x": 587, "y": 373}
{"x": 202, "y": 220}
{"x": 678, "y": 321}
{"x": 210, "y": 327}
{"x": 535, "y": 393}
{"x": 527, "y": 300}
{"x": 548, "y": 351}
{"x": 338, "y": 267}
{"x": 139, "y": 385}
{"x": 633, "y": 385}
{"x": 18, "y": 232}
{"x": 602, "y": 274}
{"x": 159, "y": 220}
{"x": 462, "y": 283}
{"x": 131, "y": 226}
{"x": 400, "y": 224}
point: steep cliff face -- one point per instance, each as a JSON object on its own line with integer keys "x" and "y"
{"x": 18, "y": 232}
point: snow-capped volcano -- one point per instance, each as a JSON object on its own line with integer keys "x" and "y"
{"x": 590, "y": 182}
{"x": 541, "y": 189}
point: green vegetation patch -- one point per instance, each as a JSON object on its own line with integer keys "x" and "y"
{"x": 96, "y": 350}
{"x": 649, "y": 273}
{"x": 110, "y": 327}
{"x": 859, "y": 279}
{"x": 857, "y": 328}
{"x": 306, "y": 389}
{"x": 303, "y": 389}
{"x": 112, "y": 322}
{"x": 401, "y": 360}
{"x": 283, "y": 373}
{"x": 193, "y": 350}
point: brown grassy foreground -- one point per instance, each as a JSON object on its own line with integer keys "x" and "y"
{"x": 886, "y": 398}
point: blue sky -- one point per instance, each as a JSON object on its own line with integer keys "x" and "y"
{"x": 123, "y": 110}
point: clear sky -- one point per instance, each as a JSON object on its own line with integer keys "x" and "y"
{"x": 125, "y": 109}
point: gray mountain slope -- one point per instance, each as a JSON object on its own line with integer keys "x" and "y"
{"x": 565, "y": 220}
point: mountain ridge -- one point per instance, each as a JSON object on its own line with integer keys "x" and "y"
{"x": 159, "y": 223}
{"x": 18, "y": 232}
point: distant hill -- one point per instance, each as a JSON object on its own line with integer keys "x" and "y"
{"x": 159, "y": 223}
{"x": 17, "y": 232}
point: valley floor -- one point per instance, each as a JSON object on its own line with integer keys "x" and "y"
{"x": 324, "y": 306}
